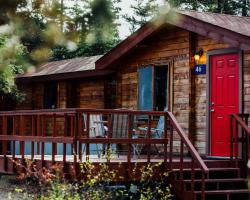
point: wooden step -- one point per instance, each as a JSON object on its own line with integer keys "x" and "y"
{"x": 219, "y": 180}
{"x": 214, "y": 173}
{"x": 242, "y": 194}
{"x": 216, "y": 184}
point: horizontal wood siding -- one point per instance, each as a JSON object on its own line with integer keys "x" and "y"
{"x": 25, "y": 89}
{"x": 246, "y": 83}
{"x": 91, "y": 94}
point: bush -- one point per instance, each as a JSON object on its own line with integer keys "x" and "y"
{"x": 95, "y": 182}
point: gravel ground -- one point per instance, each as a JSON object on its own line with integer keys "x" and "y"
{"x": 11, "y": 188}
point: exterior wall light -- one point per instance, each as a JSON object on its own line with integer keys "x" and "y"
{"x": 198, "y": 55}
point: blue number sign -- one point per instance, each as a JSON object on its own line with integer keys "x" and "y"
{"x": 199, "y": 69}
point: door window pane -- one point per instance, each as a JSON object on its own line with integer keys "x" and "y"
{"x": 145, "y": 90}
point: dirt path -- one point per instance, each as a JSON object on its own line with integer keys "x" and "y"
{"x": 10, "y": 188}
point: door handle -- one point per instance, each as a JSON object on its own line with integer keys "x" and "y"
{"x": 212, "y": 110}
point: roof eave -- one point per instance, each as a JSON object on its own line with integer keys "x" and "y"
{"x": 64, "y": 76}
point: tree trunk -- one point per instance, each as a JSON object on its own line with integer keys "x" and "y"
{"x": 244, "y": 7}
{"x": 61, "y": 20}
{"x": 219, "y": 6}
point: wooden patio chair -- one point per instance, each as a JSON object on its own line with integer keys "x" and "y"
{"x": 120, "y": 128}
{"x": 156, "y": 133}
{"x": 97, "y": 129}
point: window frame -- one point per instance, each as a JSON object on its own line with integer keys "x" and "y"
{"x": 169, "y": 88}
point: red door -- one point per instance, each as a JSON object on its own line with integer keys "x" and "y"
{"x": 224, "y": 100}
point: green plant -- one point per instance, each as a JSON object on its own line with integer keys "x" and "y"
{"x": 95, "y": 182}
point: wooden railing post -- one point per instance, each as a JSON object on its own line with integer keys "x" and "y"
{"x": 149, "y": 137}
{"x": 38, "y": 132}
{"x": 202, "y": 185}
{"x": 129, "y": 144}
{"x": 80, "y": 131}
{"x": 14, "y": 134}
{"x": 33, "y": 134}
{"x": 231, "y": 137}
{"x": 87, "y": 132}
{"x": 21, "y": 132}
{"x": 237, "y": 143}
{"x": 54, "y": 135}
{"x": 43, "y": 135}
{"x": 4, "y": 143}
{"x": 75, "y": 136}
{"x": 165, "y": 138}
{"x": 171, "y": 146}
{"x": 181, "y": 159}
{"x": 64, "y": 144}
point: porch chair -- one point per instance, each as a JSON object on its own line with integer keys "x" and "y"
{"x": 120, "y": 123}
{"x": 96, "y": 130}
{"x": 156, "y": 133}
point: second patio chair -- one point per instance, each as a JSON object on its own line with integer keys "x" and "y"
{"x": 96, "y": 130}
{"x": 120, "y": 129}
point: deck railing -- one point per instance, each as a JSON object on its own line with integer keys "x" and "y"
{"x": 239, "y": 138}
{"x": 72, "y": 131}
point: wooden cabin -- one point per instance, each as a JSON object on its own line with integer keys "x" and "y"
{"x": 155, "y": 68}
{"x": 194, "y": 64}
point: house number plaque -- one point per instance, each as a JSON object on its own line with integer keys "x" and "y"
{"x": 199, "y": 69}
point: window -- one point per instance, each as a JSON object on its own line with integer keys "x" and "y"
{"x": 50, "y": 95}
{"x": 153, "y": 87}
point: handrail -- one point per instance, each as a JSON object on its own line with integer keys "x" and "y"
{"x": 86, "y": 110}
{"x": 188, "y": 143}
{"x": 236, "y": 138}
{"x": 242, "y": 123}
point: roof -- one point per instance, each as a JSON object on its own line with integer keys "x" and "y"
{"x": 65, "y": 69}
{"x": 64, "y": 66}
{"x": 233, "y": 30}
{"x": 233, "y": 23}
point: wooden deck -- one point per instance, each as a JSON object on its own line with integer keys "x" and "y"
{"x": 32, "y": 131}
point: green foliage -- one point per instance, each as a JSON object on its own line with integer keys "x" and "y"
{"x": 93, "y": 27}
{"x": 96, "y": 182}
{"x": 12, "y": 62}
{"x": 143, "y": 11}
{"x": 233, "y": 7}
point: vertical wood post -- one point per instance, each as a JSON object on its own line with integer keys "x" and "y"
{"x": 165, "y": 138}
{"x": 88, "y": 136}
{"x": 149, "y": 137}
{"x": 4, "y": 143}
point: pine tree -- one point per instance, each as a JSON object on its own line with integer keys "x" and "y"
{"x": 143, "y": 11}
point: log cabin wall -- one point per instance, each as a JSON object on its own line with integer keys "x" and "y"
{"x": 246, "y": 83}
{"x": 170, "y": 47}
{"x": 91, "y": 93}
{"x": 33, "y": 96}
{"x": 62, "y": 94}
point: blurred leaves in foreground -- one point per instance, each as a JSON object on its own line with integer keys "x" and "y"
{"x": 36, "y": 31}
